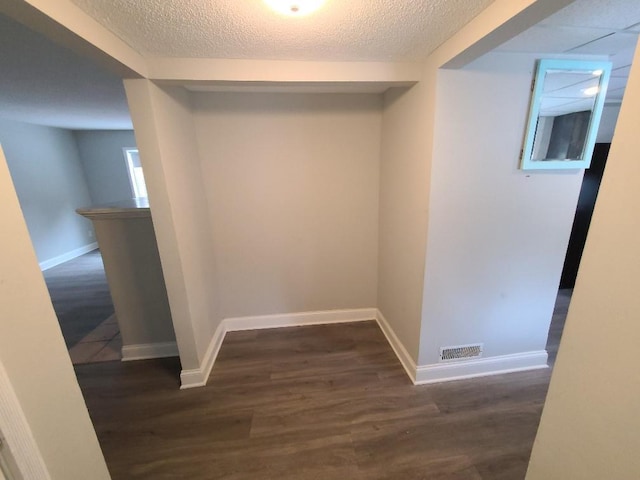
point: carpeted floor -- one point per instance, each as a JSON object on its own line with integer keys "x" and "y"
{"x": 80, "y": 296}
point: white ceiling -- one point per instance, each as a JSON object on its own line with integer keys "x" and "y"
{"x": 352, "y": 30}
{"x": 607, "y": 28}
{"x": 564, "y": 92}
{"x": 46, "y": 84}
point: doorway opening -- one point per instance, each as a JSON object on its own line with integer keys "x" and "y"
{"x": 579, "y": 230}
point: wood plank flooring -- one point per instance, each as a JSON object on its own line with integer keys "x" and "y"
{"x": 322, "y": 402}
{"x": 80, "y": 295}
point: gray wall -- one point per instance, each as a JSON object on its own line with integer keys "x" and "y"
{"x": 33, "y": 356}
{"x": 608, "y": 123}
{"x": 104, "y": 164}
{"x": 292, "y": 186}
{"x": 48, "y": 176}
{"x": 497, "y": 234}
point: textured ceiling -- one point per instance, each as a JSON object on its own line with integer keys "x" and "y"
{"x": 46, "y": 84}
{"x": 342, "y": 30}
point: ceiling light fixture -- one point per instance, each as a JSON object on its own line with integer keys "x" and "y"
{"x": 592, "y": 91}
{"x": 295, "y": 8}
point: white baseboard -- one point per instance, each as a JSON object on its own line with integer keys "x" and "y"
{"x": 445, "y": 372}
{"x": 299, "y": 319}
{"x": 65, "y": 257}
{"x": 397, "y": 346}
{"x": 418, "y": 374}
{"x": 482, "y": 367}
{"x": 145, "y": 351}
{"x": 198, "y": 377}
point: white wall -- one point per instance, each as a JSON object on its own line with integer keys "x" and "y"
{"x": 404, "y": 199}
{"x": 497, "y": 235}
{"x": 292, "y": 186}
{"x": 406, "y": 162}
{"x": 590, "y": 423}
{"x": 101, "y": 153}
{"x": 34, "y": 356}
{"x": 168, "y": 150}
{"x": 48, "y": 176}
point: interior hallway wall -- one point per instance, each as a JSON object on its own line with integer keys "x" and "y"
{"x": 34, "y": 355}
{"x": 102, "y": 156}
{"x": 407, "y": 159}
{"x": 165, "y": 135}
{"x": 47, "y": 173}
{"x": 497, "y": 234}
{"x": 590, "y": 422}
{"x": 404, "y": 207}
{"x": 292, "y": 186}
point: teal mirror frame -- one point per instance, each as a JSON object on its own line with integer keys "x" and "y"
{"x": 559, "y": 66}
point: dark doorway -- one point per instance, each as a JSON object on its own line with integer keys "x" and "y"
{"x": 584, "y": 211}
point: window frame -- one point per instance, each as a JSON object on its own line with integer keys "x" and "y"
{"x": 131, "y": 173}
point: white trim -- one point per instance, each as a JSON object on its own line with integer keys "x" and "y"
{"x": 418, "y": 374}
{"x": 18, "y": 435}
{"x": 458, "y": 370}
{"x": 65, "y": 257}
{"x": 445, "y": 372}
{"x": 299, "y": 319}
{"x": 405, "y": 359}
{"x": 145, "y": 351}
{"x": 198, "y": 377}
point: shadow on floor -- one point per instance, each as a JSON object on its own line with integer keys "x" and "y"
{"x": 82, "y": 302}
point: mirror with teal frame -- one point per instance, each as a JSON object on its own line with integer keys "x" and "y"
{"x": 566, "y": 106}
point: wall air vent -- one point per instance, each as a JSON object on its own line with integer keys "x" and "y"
{"x": 461, "y": 352}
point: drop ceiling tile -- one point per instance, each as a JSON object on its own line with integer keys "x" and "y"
{"x": 608, "y": 14}
{"x": 608, "y": 45}
{"x": 541, "y": 39}
{"x": 623, "y": 58}
{"x": 622, "y": 72}
{"x": 616, "y": 83}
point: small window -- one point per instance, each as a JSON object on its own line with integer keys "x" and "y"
{"x": 136, "y": 177}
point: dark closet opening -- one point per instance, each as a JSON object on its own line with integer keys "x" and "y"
{"x": 584, "y": 211}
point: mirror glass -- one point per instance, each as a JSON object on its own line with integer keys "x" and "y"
{"x": 566, "y": 107}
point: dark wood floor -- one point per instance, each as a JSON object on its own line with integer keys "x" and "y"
{"x": 80, "y": 295}
{"x": 321, "y": 402}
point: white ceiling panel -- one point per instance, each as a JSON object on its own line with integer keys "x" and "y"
{"x": 551, "y": 107}
{"x": 616, "y": 83}
{"x": 622, "y": 72}
{"x": 607, "y": 14}
{"x": 542, "y": 39}
{"x": 569, "y": 84}
{"x": 608, "y": 45}
{"x": 585, "y": 28}
{"x": 624, "y": 57}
